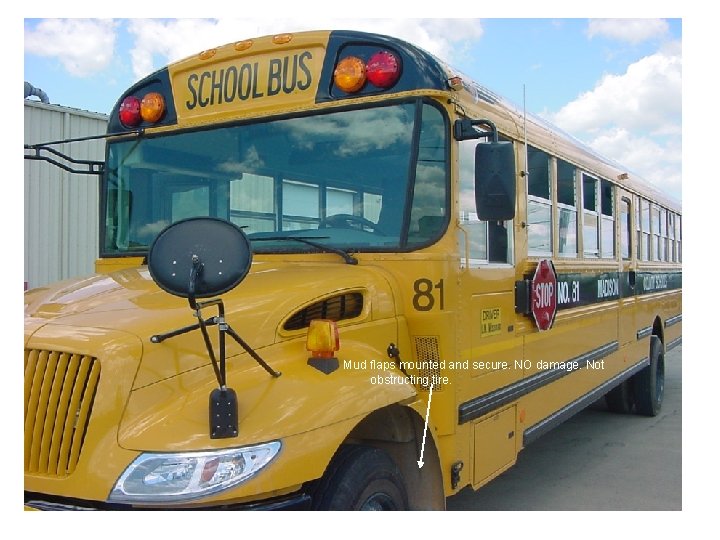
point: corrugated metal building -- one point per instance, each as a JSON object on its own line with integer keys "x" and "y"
{"x": 61, "y": 208}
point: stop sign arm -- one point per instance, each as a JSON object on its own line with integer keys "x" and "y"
{"x": 522, "y": 296}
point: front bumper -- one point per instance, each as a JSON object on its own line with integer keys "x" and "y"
{"x": 38, "y": 501}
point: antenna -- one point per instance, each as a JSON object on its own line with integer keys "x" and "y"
{"x": 526, "y": 172}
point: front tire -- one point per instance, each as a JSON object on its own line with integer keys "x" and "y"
{"x": 649, "y": 384}
{"x": 361, "y": 478}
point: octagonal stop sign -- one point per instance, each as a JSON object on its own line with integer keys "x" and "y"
{"x": 543, "y": 295}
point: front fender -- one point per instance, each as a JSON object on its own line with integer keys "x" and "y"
{"x": 310, "y": 412}
{"x": 172, "y": 415}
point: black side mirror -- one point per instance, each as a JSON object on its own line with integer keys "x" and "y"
{"x": 217, "y": 249}
{"x": 495, "y": 181}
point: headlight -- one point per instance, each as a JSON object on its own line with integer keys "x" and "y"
{"x": 173, "y": 477}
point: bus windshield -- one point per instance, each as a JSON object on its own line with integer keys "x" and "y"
{"x": 371, "y": 179}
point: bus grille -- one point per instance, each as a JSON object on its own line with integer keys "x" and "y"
{"x": 428, "y": 352}
{"x": 59, "y": 392}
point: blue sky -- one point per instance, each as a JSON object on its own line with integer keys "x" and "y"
{"x": 615, "y": 84}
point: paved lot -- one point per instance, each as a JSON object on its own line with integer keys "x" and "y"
{"x": 597, "y": 460}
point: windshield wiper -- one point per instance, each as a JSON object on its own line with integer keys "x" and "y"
{"x": 349, "y": 259}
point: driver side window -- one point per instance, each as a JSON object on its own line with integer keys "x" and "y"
{"x": 428, "y": 215}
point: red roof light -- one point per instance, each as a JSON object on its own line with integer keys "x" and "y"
{"x": 129, "y": 113}
{"x": 383, "y": 69}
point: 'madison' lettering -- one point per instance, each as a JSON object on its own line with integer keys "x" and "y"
{"x": 247, "y": 81}
{"x": 608, "y": 287}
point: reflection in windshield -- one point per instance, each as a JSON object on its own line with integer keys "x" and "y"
{"x": 342, "y": 178}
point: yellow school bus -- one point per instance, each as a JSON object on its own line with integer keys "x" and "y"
{"x": 335, "y": 273}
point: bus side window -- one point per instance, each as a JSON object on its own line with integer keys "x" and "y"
{"x": 489, "y": 241}
{"x": 625, "y": 230}
{"x": 607, "y": 220}
{"x": 678, "y": 238}
{"x": 591, "y": 213}
{"x": 539, "y": 206}
{"x": 656, "y": 233}
{"x": 644, "y": 230}
{"x": 567, "y": 209}
{"x": 672, "y": 240}
{"x": 498, "y": 241}
{"x": 663, "y": 235}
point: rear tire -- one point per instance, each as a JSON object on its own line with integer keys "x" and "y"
{"x": 361, "y": 478}
{"x": 649, "y": 384}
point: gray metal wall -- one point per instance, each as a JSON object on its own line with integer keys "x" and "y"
{"x": 61, "y": 216}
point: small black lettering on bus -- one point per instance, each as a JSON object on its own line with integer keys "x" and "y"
{"x": 274, "y": 77}
{"x": 203, "y": 101}
{"x": 192, "y": 79}
{"x": 256, "y": 93}
{"x": 304, "y": 84}
{"x": 230, "y": 85}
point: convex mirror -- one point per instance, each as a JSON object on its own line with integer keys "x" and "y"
{"x": 220, "y": 249}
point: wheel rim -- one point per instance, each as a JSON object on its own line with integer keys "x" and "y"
{"x": 379, "y": 502}
{"x": 660, "y": 380}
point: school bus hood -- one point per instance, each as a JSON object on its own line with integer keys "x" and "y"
{"x": 129, "y": 301}
{"x": 167, "y": 398}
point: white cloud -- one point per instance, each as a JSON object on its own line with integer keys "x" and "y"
{"x": 628, "y": 30}
{"x": 635, "y": 118}
{"x": 170, "y": 40}
{"x": 658, "y": 160}
{"x": 648, "y": 96}
{"x": 82, "y": 46}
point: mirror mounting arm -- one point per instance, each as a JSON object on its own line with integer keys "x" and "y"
{"x": 464, "y": 129}
{"x": 250, "y": 351}
{"x": 216, "y": 254}
{"x": 195, "y": 271}
{"x": 223, "y": 327}
{"x": 219, "y": 368}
